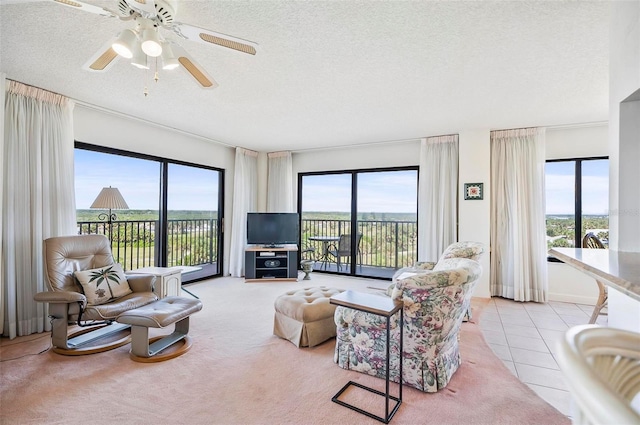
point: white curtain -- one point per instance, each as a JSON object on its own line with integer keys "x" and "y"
{"x": 245, "y": 195}
{"x": 280, "y": 182}
{"x": 437, "y": 195}
{"x": 518, "y": 243}
{"x": 38, "y": 198}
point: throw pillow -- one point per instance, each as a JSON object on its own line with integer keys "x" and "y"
{"x": 103, "y": 284}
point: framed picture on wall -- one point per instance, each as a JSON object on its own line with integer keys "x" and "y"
{"x": 473, "y": 191}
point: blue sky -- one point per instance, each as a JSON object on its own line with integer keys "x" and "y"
{"x": 193, "y": 188}
{"x": 388, "y": 191}
{"x": 138, "y": 180}
{"x": 560, "y": 187}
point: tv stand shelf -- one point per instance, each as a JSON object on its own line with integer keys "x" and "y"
{"x": 263, "y": 263}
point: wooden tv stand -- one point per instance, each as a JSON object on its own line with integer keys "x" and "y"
{"x": 263, "y": 263}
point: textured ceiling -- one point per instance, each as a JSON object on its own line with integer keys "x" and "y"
{"x": 334, "y": 73}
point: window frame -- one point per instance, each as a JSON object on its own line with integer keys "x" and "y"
{"x": 577, "y": 195}
{"x": 354, "y": 205}
{"x": 162, "y": 205}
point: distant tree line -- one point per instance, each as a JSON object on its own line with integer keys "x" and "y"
{"x": 561, "y": 229}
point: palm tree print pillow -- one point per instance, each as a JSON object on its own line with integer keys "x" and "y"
{"x": 104, "y": 284}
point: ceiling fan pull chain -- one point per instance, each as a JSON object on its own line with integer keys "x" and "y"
{"x": 145, "y": 78}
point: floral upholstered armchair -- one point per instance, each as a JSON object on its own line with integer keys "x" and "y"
{"x": 435, "y": 302}
{"x": 470, "y": 250}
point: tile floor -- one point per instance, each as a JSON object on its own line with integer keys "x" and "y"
{"x": 524, "y": 335}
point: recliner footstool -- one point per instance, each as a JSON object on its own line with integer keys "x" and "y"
{"x": 160, "y": 314}
{"x": 304, "y": 316}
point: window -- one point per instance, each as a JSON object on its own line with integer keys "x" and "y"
{"x": 382, "y": 204}
{"x": 174, "y": 215}
{"x": 577, "y": 200}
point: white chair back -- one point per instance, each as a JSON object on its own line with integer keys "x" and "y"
{"x": 602, "y": 369}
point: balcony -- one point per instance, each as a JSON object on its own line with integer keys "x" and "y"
{"x": 133, "y": 243}
{"x": 385, "y": 246}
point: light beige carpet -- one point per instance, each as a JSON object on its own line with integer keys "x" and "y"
{"x": 237, "y": 372}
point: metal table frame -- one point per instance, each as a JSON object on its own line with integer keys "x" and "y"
{"x": 324, "y": 255}
{"x": 385, "y": 307}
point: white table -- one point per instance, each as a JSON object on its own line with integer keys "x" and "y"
{"x": 168, "y": 279}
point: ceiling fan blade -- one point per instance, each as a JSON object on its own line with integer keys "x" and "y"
{"x": 193, "y": 68}
{"x": 146, "y": 6}
{"x": 85, "y": 7}
{"x": 206, "y": 36}
{"x": 103, "y": 59}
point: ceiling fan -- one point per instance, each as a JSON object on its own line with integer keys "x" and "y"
{"x": 144, "y": 42}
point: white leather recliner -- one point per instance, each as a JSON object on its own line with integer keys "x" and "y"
{"x": 68, "y": 305}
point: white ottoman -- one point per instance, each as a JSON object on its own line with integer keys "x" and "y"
{"x": 305, "y": 317}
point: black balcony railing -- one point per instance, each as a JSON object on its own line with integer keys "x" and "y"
{"x": 133, "y": 242}
{"x": 389, "y": 244}
{"x": 384, "y": 244}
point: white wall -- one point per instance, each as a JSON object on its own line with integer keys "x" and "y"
{"x": 474, "y": 216}
{"x": 577, "y": 141}
{"x": 624, "y": 194}
{"x": 399, "y": 154}
{"x": 120, "y": 132}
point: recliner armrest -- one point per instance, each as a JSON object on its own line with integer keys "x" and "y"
{"x": 141, "y": 282}
{"x": 60, "y": 297}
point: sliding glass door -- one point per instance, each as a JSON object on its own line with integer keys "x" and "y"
{"x": 381, "y": 205}
{"x": 173, "y": 216}
{"x": 192, "y": 228}
{"x": 388, "y": 220}
{"x": 325, "y": 211}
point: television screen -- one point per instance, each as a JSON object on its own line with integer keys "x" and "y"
{"x": 272, "y": 229}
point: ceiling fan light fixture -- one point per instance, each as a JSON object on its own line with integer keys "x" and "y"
{"x": 169, "y": 61}
{"x": 125, "y": 44}
{"x": 139, "y": 59}
{"x": 151, "y": 42}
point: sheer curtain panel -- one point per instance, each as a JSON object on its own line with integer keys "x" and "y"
{"x": 245, "y": 199}
{"x": 518, "y": 243}
{"x": 38, "y": 199}
{"x": 437, "y": 195}
{"x": 280, "y": 182}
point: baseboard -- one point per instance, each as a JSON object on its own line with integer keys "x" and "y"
{"x": 572, "y": 298}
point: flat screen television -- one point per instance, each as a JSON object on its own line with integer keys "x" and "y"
{"x": 272, "y": 229}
